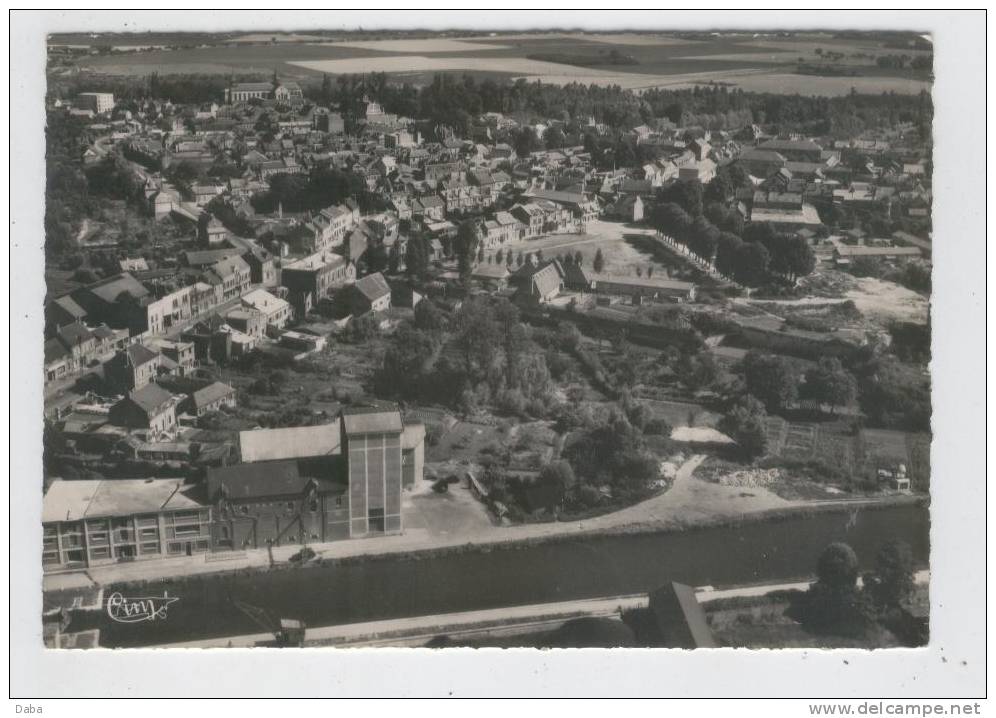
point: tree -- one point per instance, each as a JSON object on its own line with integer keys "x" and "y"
{"x": 598, "y": 264}
{"x": 720, "y": 189}
{"x": 703, "y": 238}
{"x": 558, "y": 475}
{"x": 672, "y": 220}
{"x": 751, "y": 264}
{"x": 526, "y": 142}
{"x": 891, "y": 583}
{"x": 833, "y": 603}
{"x": 429, "y": 318}
{"x": 697, "y": 370}
{"x": 360, "y": 329}
{"x": 406, "y": 362}
{"x": 727, "y": 251}
{"x": 554, "y": 138}
{"x": 895, "y": 395}
{"x": 799, "y": 258}
{"x": 688, "y": 195}
{"x": 466, "y": 246}
{"x": 417, "y": 257}
{"x": 771, "y": 378}
{"x": 476, "y": 335}
{"x": 745, "y": 424}
{"x": 829, "y": 383}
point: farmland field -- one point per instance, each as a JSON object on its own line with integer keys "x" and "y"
{"x": 748, "y": 62}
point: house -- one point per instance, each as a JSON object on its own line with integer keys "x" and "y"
{"x": 138, "y": 264}
{"x": 630, "y": 208}
{"x": 328, "y": 228}
{"x": 370, "y": 294}
{"x": 493, "y": 276}
{"x": 698, "y": 171}
{"x": 532, "y": 218}
{"x": 583, "y": 208}
{"x": 761, "y": 163}
{"x": 310, "y": 279}
{"x": 262, "y": 264}
{"x": 247, "y": 321}
{"x": 234, "y": 275}
{"x": 151, "y": 408}
{"x": 210, "y": 398}
{"x": 180, "y": 354}
{"x": 94, "y": 522}
{"x": 63, "y": 310}
{"x": 539, "y": 283}
{"x": 75, "y": 346}
{"x": 794, "y": 150}
{"x": 276, "y": 311}
{"x": 212, "y": 232}
{"x": 133, "y": 367}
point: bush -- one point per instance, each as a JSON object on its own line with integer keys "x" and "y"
{"x": 657, "y": 427}
{"x": 511, "y": 401}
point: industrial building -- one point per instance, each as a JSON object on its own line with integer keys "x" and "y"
{"x": 294, "y": 485}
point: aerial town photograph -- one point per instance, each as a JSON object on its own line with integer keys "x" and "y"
{"x": 447, "y": 339}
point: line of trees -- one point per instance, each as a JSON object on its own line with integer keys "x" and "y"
{"x": 749, "y": 259}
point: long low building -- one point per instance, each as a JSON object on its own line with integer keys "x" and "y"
{"x": 846, "y": 253}
{"x": 580, "y": 278}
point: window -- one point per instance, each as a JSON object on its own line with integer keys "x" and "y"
{"x": 150, "y": 547}
{"x": 50, "y": 558}
{"x": 174, "y": 547}
{"x": 100, "y": 552}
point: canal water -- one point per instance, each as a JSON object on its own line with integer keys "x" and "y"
{"x": 491, "y": 577}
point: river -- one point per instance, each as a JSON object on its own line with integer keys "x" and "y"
{"x": 505, "y": 575}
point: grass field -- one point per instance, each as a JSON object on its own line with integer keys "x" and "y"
{"x": 753, "y": 63}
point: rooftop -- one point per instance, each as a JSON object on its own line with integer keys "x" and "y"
{"x": 75, "y": 500}
{"x": 371, "y": 420}
{"x": 290, "y": 443}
